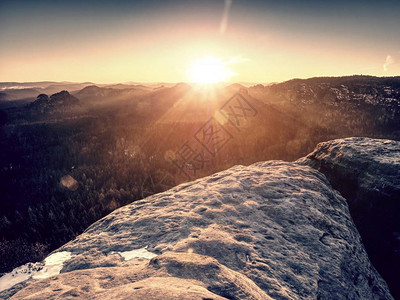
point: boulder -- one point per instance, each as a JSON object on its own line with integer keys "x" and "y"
{"x": 272, "y": 230}
{"x": 367, "y": 173}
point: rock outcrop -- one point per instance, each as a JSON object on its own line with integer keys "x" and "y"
{"x": 272, "y": 230}
{"x": 56, "y": 102}
{"x": 367, "y": 173}
{"x": 63, "y": 98}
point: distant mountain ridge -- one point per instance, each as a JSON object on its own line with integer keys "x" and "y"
{"x": 370, "y": 89}
{"x": 359, "y": 89}
{"x": 113, "y": 92}
{"x": 38, "y": 84}
{"x": 361, "y": 79}
{"x": 11, "y": 91}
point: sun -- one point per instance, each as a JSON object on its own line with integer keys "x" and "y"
{"x": 209, "y": 69}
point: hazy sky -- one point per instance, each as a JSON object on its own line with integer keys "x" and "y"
{"x": 260, "y": 41}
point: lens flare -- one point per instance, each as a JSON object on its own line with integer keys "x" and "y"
{"x": 209, "y": 69}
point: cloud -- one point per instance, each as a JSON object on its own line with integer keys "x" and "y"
{"x": 389, "y": 61}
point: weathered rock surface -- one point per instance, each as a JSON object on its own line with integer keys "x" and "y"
{"x": 367, "y": 173}
{"x": 272, "y": 230}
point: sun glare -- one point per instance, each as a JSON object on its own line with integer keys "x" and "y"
{"x": 209, "y": 69}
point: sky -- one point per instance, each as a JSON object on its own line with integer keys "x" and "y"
{"x": 157, "y": 41}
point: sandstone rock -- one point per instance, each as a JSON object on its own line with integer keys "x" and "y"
{"x": 56, "y": 102}
{"x": 367, "y": 173}
{"x": 272, "y": 230}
